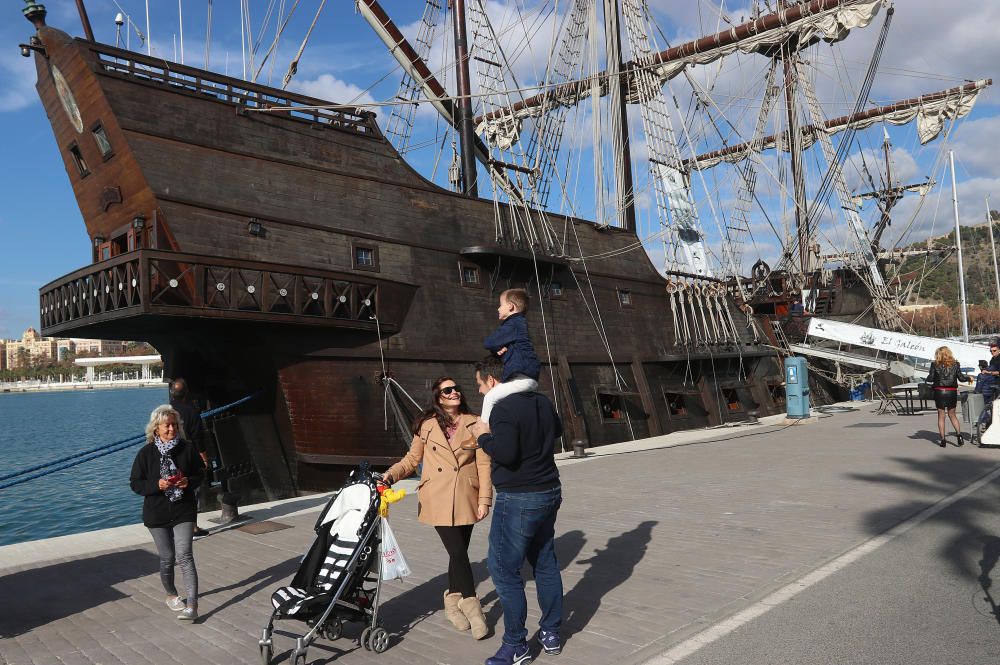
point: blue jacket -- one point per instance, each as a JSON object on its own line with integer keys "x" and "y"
{"x": 521, "y": 443}
{"x": 520, "y": 357}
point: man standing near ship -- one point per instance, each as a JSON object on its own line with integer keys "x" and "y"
{"x": 520, "y": 440}
{"x": 194, "y": 430}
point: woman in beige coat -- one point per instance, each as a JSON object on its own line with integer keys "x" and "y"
{"x": 454, "y": 493}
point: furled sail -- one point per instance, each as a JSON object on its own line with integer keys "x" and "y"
{"x": 930, "y": 111}
{"x": 831, "y": 20}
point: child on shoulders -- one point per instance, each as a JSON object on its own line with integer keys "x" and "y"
{"x": 510, "y": 341}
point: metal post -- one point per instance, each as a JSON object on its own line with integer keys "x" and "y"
{"x": 464, "y": 103}
{"x": 958, "y": 244}
{"x": 149, "y": 36}
{"x": 993, "y": 248}
{"x": 180, "y": 21}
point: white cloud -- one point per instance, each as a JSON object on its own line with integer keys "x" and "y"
{"x": 17, "y": 81}
{"x": 330, "y": 88}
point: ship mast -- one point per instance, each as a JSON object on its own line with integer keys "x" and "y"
{"x": 618, "y": 117}
{"x": 463, "y": 107}
{"x": 85, "y": 20}
{"x": 789, "y": 51}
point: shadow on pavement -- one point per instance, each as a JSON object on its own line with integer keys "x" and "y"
{"x": 925, "y": 435}
{"x": 33, "y": 598}
{"x": 272, "y": 577}
{"x": 409, "y": 608}
{"x": 608, "y": 568}
{"x": 991, "y": 553}
{"x": 934, "y": 479}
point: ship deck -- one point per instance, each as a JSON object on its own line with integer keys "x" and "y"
{"x": 658, "y": 540}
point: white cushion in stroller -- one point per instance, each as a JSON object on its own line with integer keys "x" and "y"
{"x": 347, "y": 513}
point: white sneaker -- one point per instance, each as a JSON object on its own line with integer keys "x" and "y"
{"x": 188, "y": 614}
{"x": 176, "y": 603}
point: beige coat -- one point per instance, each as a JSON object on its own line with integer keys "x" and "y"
{"x": 454, "y": 482}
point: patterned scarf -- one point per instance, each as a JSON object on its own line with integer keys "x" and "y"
{"x": 167, "y": 467}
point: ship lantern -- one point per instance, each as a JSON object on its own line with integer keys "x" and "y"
{"x": 35, "y": 13}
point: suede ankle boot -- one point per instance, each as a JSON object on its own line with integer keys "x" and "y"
{"x": 473, "y": 611}
{"x": 452, "y": 613}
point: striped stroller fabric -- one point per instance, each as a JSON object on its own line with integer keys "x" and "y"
{"x": 347, "y": 517}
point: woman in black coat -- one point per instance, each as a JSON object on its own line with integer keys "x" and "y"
{"x": 944, "y": 377}
{"x": 166, "y": 472}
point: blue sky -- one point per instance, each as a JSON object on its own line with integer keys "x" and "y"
{"x": 931, "y": 46}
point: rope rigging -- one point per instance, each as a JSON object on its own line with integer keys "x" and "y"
{"x": 47, "y": 468}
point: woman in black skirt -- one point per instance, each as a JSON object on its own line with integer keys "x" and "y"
{"x": 944, "y": 377}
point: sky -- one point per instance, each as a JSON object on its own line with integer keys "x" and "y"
{"x": 930, "y": 46}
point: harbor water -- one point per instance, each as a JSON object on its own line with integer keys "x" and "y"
{"x": 38, "y": 427}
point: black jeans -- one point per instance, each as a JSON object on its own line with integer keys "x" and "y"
{"x": 456, "y": 542}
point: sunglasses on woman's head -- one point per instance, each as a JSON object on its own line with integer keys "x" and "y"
{"x": 451, "y": 389}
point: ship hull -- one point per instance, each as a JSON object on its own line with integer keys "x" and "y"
{"x": 294, "y": 256}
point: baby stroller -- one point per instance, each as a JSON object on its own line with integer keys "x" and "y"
{"x": 340, "y": 576}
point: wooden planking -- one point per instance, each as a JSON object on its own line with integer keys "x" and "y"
{"x": 318, "y": 191}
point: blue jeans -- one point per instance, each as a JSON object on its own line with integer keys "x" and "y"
{"x": 523, "y": 528}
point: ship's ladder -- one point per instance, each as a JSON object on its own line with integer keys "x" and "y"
{"x": 518, "y": 224}
{"x": 674, "y": 205}
{"x": 399, "y": 126}
{"x": 547, "y": 132}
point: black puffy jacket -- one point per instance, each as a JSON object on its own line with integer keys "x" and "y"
{"x": 947, "y": 376}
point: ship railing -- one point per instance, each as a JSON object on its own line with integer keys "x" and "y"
{"x": 148, "y": 281}
{"x": 128, "y": 64}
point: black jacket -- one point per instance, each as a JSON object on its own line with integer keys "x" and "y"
{"x": 191, "y": 420}
{"x": 521, "y": 444}
{"x": 946, "y": 377}
{"x": 157, "y": 509}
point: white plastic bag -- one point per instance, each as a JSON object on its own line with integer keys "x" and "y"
{"x": 393, "y": 564}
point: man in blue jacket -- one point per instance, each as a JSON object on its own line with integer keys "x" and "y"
{"x": 520, "y": 440}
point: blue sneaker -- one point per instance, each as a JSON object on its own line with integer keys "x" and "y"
{"x": 511, "y": 655}
{"x": 550, "y": 641}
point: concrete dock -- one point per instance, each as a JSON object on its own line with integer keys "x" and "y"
{"x": 665, "y": 545}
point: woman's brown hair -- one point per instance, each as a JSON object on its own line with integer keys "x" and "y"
{"x": 943, "y": 357}
{"x": 435, "y": 410}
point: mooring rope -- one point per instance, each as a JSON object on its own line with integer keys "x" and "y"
{"x": 40, "y": 470}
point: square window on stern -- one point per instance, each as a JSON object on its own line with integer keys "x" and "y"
{"x": 470, "y": 275}
{"x": 365, "y": 257}
{"x": 103, "y": 144}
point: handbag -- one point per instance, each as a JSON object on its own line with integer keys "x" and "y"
{"x": 394, "y": 566}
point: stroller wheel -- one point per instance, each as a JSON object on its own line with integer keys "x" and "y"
{"x": 363, "y": 640}
{"x": 266, "y": 653}
{"x": 333, "y": 630}
{"x": 379, "y": 640}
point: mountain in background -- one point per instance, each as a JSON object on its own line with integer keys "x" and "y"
{"x": 939, "y": 285}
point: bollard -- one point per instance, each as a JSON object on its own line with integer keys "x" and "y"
{"x": 579, "y": 446}
{"x": 230, "y": 513}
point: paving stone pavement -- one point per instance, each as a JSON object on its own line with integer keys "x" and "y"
{"x": 655, "y": 545}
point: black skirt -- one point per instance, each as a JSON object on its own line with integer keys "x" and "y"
{"x": 945, "y": 399}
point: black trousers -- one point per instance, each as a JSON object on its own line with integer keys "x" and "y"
{"x": 456, "y": 543}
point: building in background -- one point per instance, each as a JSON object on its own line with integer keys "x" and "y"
{"x": 3, "y": 354}
{"x": 32, "y": 348}
{"x": 65, "y": 348}
{"x": 99, "y": 347}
